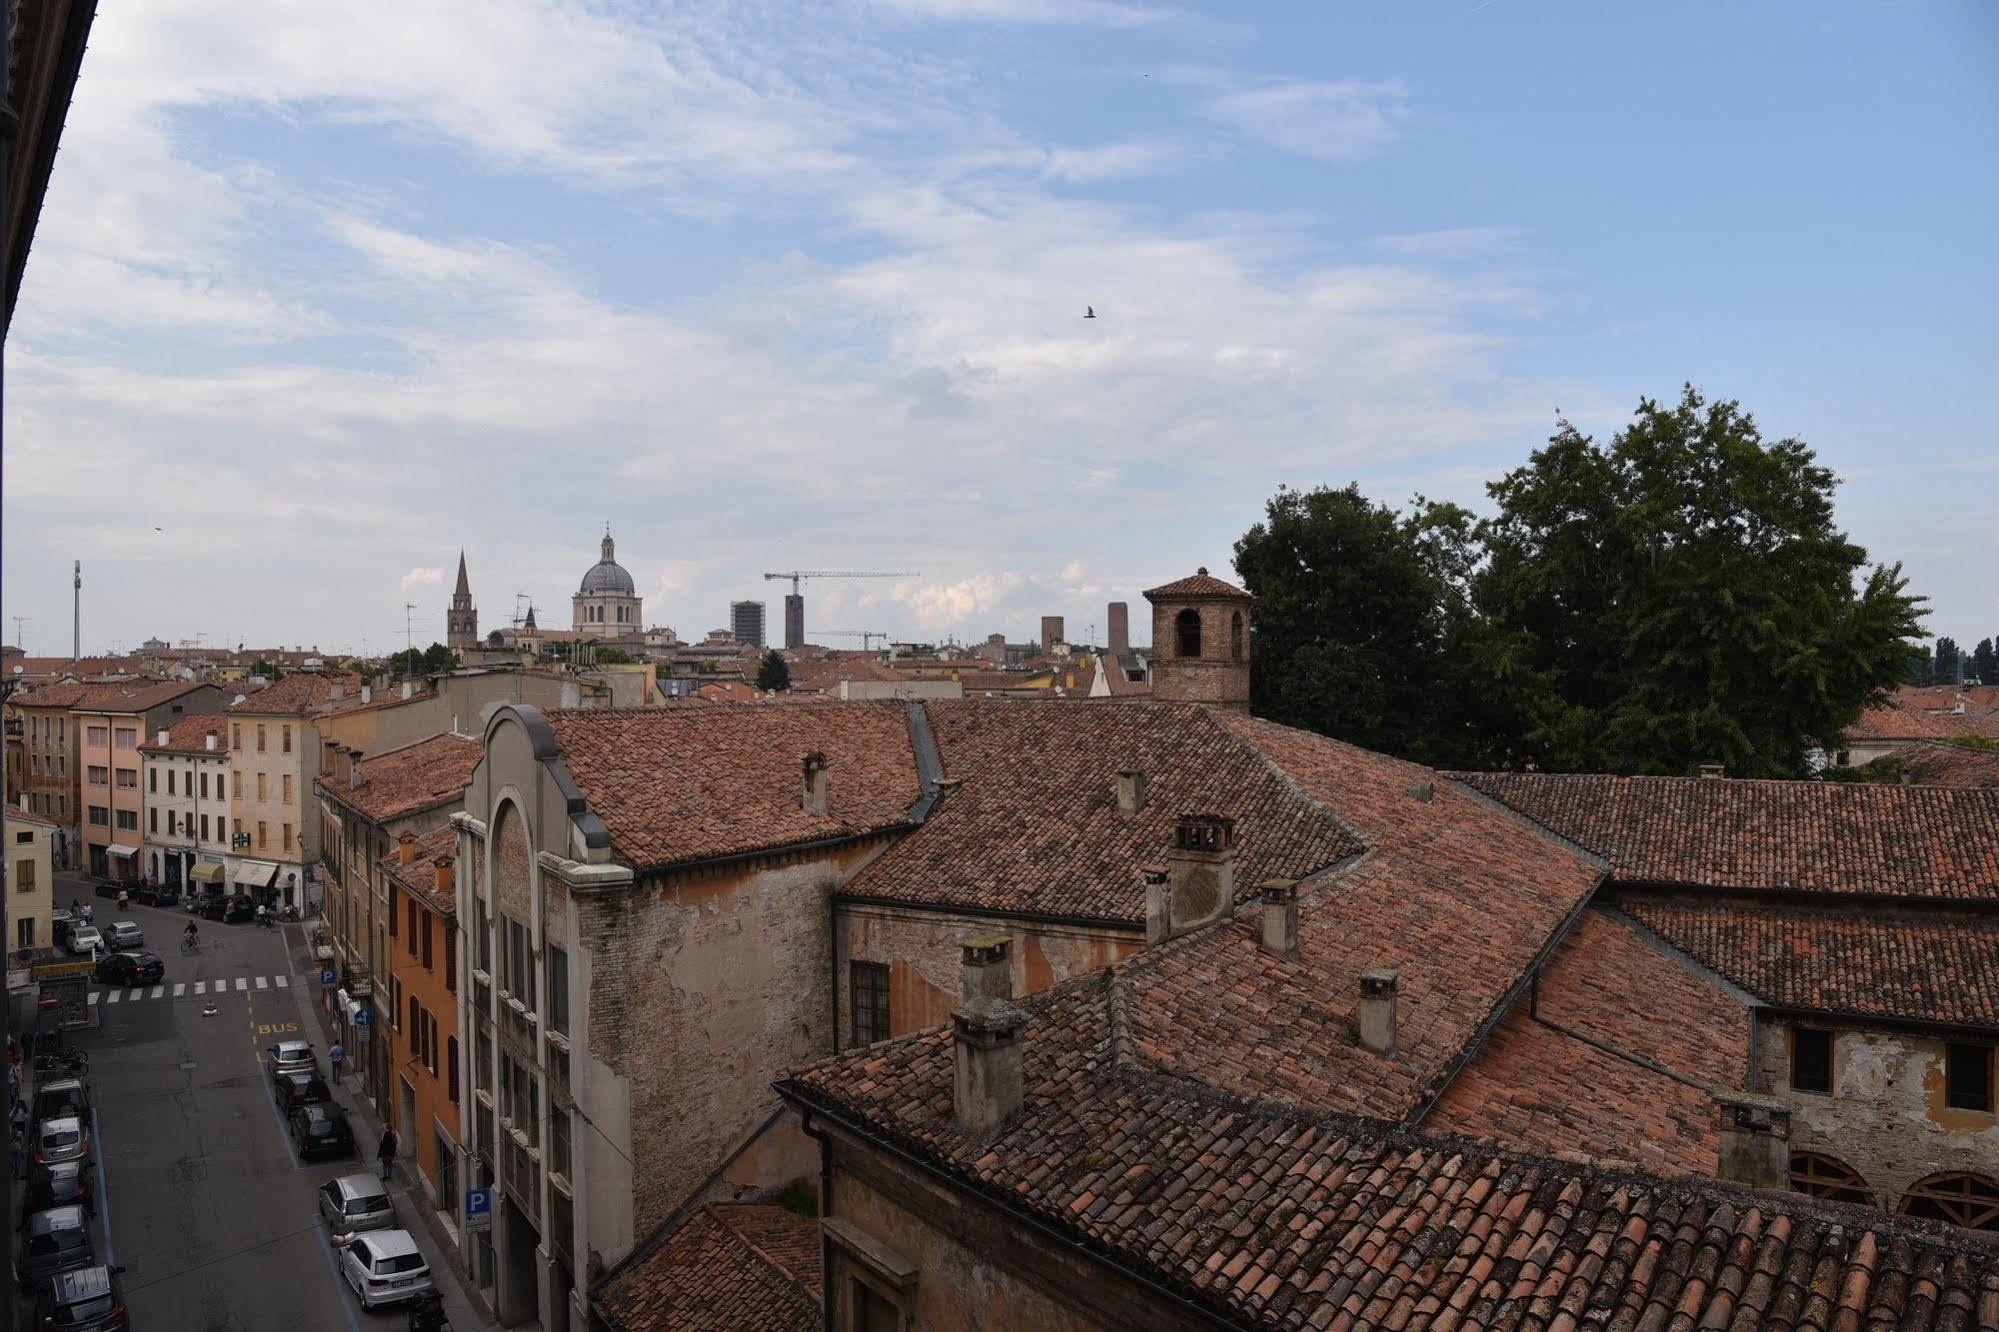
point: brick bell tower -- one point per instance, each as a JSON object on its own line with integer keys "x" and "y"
{"x": 461, "y": 632}
{"x": 1200, "y": 642}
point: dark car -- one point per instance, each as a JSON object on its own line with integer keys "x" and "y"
{"x": 64, "y": 1098}
{"x": 58, "y": 1240}
{"x": 239, "y": 910}
{"x": 86, "y": 1300}
{"x": 64, "y": 1184}
{"x": 131, "y": 969}
{"x": 110, "y": 887}
{"x": 320, "y": 1130}
{"x": 158, "y": 894}
{"x": 296, "y": 1089}
{"x": 212, "y": 908}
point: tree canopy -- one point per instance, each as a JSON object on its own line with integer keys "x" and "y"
{"x": 1677, "y": 596}
{"x": 436, "y": 659}
{"x": 772, "y": 674}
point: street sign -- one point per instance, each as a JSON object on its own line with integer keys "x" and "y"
{"x": 326, "y": 977}
{"x": 362, "y": 1017}
{"x": 478, "y": 1209}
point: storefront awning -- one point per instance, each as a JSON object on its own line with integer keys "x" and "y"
{"x": 121, "y": 852}
{"x": 209, "y": 871}
{"x": 256, "y": 873}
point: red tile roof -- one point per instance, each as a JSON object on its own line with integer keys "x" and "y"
{"x": 693, "y": 783}
{"x": 51, "y": 696}
{"x": 293, "y": 696}
{"x": 1035, "y": 826}
{"x": 189, "y": 735}
{"x": 416, "y": 777}
{"x": 419, "y": 877}
{"x": 725, "y": 1267}
{"x": 1821, "y": 837}
{"x": 1933, "y": 764}
{"x": 1931, "y": 968}
{"x": 1903, "y": 719}
{"x": 1197, "y": 586}
{"x": 134, "y": 695}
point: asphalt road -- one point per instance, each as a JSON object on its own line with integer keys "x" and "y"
{"x": 205, "y": 1205}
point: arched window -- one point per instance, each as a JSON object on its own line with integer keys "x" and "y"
{"x": 1828, "y": 1178}
{"x": 1187, "y": 629}
{"x": 1961, "y": 1198}
{"x": 1235, "y": 636}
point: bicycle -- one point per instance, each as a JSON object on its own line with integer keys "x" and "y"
{"x": 188, "y": 945}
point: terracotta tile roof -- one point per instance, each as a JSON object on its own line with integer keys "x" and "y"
{"x": 684, "y": 784}
{"x": 419, "y": 877}
{"x": 1901, "y": 719}
{"x": 30, "y": 667}
{"x": 133, "y": 695}
{"x": 1933, "y": 764}
{"x": 1538, "y": 1089}
{"x": 1197, "y": 586}
{"x": 189, "y": 735}
{"x": 1284, "y": 1217}
{"x": 1930, "y": 967}
{"x": 1035, "y": 825}
{"x": 391, "y": 697}
{"x": 1822, "y": 837}
{"x": 51, "y": 696}
{"x": 15, "y": 814}
{"x": 292, "y": 696}
{"x": 726, "y": 1266}
{"x": 416, "y": 777}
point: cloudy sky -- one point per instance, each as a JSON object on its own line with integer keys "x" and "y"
{"x": 327, "y": 292}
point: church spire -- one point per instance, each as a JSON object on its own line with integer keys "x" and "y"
{"x": 464, "y": 588}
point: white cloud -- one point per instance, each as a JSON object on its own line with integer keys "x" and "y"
{"x": 418, "y": 579}
{"x": 1334, "y": 122}
{"x": 1087, "y": 13}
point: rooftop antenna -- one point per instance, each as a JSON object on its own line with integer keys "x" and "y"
{"x": 409, "y": 633}
{"x": 19, "y": 642}
{"x": 76, "y": 617}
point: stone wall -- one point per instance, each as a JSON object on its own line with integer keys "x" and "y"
{"x": 1217, "y": 675}
{"x": 1886, "y": 1117}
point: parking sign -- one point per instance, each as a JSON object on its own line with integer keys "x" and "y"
{"x": 478, "y": 1209}
{"x": 326, "y": 977}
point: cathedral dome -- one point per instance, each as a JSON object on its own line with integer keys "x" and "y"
{"x": 607, "y": 575}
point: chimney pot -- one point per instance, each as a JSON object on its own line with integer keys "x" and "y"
{"x": 1374, "y": 1016}
{"x": 406, "y": 849}
{"x": 1200, "y": 871}
{"x": 1713, "y": 771}
{"x": 443, "y": 874}
{"x": 1425, "y": 791}
{"x": 986, "y": 1082}
{"x": 1158, "y": 904}
{"x": 1280, "y": 918}
{"x": 987, "y": 969}
{"x": 1755, "y": 1140}
{"x": 1131, "y": 791}
{"x": 815, "y": 784}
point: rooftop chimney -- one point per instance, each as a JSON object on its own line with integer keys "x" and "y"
{"x": 162, "y": 740}
{"x": 1755, "y": 1140}
{"x": 1158, "y": 910}
{"x": 1425, "y": 791}
{"x": 1120, "y": 627}
{"x": 1714, "y": 770}
{"x": 987, "y": 971}
{"x": 1280, "y": 918}
{"x": 406, "y": 849}
{"x": 1375, "y": 1014}
{"x": 1200, "y": 871}
{"x": 1131, "y": 789}
{"x": 443, "y": 874}
{"x": 815, "y": 783}
{"x": 986, "y": 1089}
{"x": 354, "y": 769}
{"x": 210, "y": 737}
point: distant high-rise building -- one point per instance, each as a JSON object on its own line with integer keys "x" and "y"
{"x": 461, "y": 633}
{"x": 746, "y": 622}
{"x": 794, "y": 620}
{"x": 1051, "y": 631}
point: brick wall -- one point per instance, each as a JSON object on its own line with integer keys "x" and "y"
{"x": 1216, "y": 676}
{"x": 513, "y": 867}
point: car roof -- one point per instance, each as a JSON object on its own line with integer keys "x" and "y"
{"x": 364, "y": 1185}
{"x": 67, "y": 1217}
{"x": 124, "y": 924}
{"x": 84, "y": 1283}
{"x": 392, "y": 1243}
{"x": 60, "y": 1084}
{"x": 284, "y": 1047}
{"x": 63, "y": 1124}
{"x": 64, "y": 1168}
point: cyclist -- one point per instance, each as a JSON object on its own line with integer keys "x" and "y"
{"x": 190, "y": 937}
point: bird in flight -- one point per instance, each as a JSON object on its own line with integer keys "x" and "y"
{"x": 1089, "y": 312}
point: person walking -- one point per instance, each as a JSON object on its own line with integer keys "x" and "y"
{"x": 387, "y": 1153}
{"x": 334, "y": 1056}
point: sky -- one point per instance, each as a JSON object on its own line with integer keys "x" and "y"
{"x": 316, "y": 302}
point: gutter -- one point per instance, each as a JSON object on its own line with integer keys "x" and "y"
{"x": 807, "y": 1104}
{"x": 995, "y": 913}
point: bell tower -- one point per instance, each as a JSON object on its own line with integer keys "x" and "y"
{"x": 461, "y": 633}
{"x": 1200, "y": 642}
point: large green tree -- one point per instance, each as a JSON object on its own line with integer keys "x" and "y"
{"x": 436, "y": 659}
{"x": 1985, "y": 662}
{"x": 773, "y": 676}
{"x": 1681, "y": 595}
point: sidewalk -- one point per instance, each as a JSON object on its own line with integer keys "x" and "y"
{"x": 462, "y": 1305}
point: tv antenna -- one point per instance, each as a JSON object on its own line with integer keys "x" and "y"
{"x": 409, "y": 632}
{"x": 19, "y": 620}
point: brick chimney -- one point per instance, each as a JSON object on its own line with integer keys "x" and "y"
{"x": 986, "y": 1082}
{"x": 1280, "y": 918}
{"x": 1200, "y": 871}
{"x": 443, "y": 874}
{"x": 406, "y": 849}
{"x": 1374, "y": 1015}
{"x": 815, "y": 784}
{"x": 1755, "y": 1140}
{"x": 1131, "y": 791}
{"x": 987, "y": 969}
{"x": 1119, "y": 626}
{"x": 354, "y": 778}
{"x": 1158, "y": 902}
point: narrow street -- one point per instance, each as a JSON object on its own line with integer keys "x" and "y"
{"x": 200, "y": 1196}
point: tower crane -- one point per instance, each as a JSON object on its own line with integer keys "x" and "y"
{"x": 794, "y": 605}
{"x": 868, "y": 637}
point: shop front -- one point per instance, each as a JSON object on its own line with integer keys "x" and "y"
{"x": 208, "y": 879}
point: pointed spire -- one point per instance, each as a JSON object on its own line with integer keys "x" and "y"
{"x": 464, "y": 588}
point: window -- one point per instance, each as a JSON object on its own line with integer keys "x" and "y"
{"x": 128, "y": 737}
{"x": 97, "y": 735}
{"x": 412, "y": 928}
{"x": 236, "y": 785}
{"x": 24, "y": 873}
{"x": 450, "y": 959}
{"x": 482, "y": 938}
{"x": 260, "y": 738}
{"x": 170, "y": 779}
{"x": 451, "y": 1073}
{"x": 100, "y": 776}
{"x": 204, "y": 827}
{"x": 872, "y": 1310}
{"x": 285, "y": 843}
{"x": 128, "y": 820}
{"x": 204, "y": 786}
{"x": 1967, "y": 1076}
{"x": 24, "y": 932}
{"x": 263, "y": 787}
{"x": 153, "y": 779}
{"x": 1961, "y": 1199}
{"x": 173, "y": 822}
{"x": 236, "y": 735}
{"x": 427, "y": 918}
{"x": 558, "y": 1142}
{"x": 287, "y": 788}
{"x": 286, "y": 741}
{"x": 24, "y": 838}
{"x": 430, "y": 1043}
{"x": 1235, "y": 636}
{"x": 263, "y": 834}
{"x": 128, "y": 779}
{"x": 1811, "y": 1061}
{"x": 153, "y": 819}
{"x": 235, "y": 829}
{"x": 868, "y": 994}
{"x": 482, "y": 1059}
{"x": 558, "y": 990}
{"x": 1825, "y": 1177}
{"x": 1187, "y": 632}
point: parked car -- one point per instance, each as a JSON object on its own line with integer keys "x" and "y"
{"x": 291, "y": 1057}
{"x": 196, "y": 904}
{"x": 58, "y": 1240}
{"x": 63, "y": 1098}
{"x": 84, "y": 940}
{"x": 238, "y": 910}
{"x": 385, "y": 1267}
{"x": 62, "y": 1139}
{"x": 156, "y": 894}
{"x": 131, "y": 969}
{"x": 61, "y": 921}
{"x": 292, "y": 1089}
{"x": 109, "y": 887}
{"x": 124, "y": 934}
{"x": 89, "y": 1299}
{"x": 212, "y": 908}
{"x": 64, "y": 1184}
{"x": 320, "y": 1130}
{"x": 355, "y": 1203}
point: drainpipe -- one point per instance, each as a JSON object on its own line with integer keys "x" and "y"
{"x": 825, "y": 1142}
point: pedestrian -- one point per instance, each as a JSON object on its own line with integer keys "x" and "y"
{"x": 387, "y": 1151}
{"x": 334, "y": 1056}
{"x": 19, "y": 1114}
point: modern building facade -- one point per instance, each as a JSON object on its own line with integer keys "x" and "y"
{"x": 607, "y": 604}
{"x": 746, "y": 622}
{"x": 186, "y": 776}
{"x": 794, "y": 621}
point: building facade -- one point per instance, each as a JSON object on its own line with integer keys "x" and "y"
{"x": 423, "y": 965}
{"x": 30, "y": 884}
{"x": 113, "y": 720}
{"x": 186, "y": 776}
{"x": 607, "y": 604}
{"x": 746, "y": 622}
{"x": 1201, "y": 642}
{"x": 273, "y": 757}
{"x": 50, "y": 783}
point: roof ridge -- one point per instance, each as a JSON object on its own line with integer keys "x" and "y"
{"x": 772, "y": 1269}
{"x": 1297, "y": 788}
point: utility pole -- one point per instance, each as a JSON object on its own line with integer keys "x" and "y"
{"x": 76, "y": 617}
{"x": 409, "y": 634}
{"x": 19, "y": 642}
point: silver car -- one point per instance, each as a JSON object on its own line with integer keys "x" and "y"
{"x": 354, "y": 1203}
{"x": 292, "y": 1057}
{"x": 121, "y": 934}
{"x": 58, "y": 1240}
{"x": 85, "y": 941}
{"x": 385, "y": 1267}
{"x": 63, "y": 1139}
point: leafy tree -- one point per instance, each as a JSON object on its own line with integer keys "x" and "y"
{"x": 1681, "y": 596}
{"x": 1945, "y": 669}
{"x": 268, "y": 669}
{"x": 1985, "y": 662}
{"x": 773, "y": 675}
{"x": 436, "y": 659}
{"x": 614, "y": 656}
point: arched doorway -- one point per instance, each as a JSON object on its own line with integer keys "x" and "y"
{"x": 1827, "y": 1177}
{"x": 1959, "y": 1197}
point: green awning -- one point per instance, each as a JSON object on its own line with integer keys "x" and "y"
{"x": 208, "y": 871}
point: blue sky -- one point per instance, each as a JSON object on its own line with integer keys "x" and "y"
{"x": 768, "y": 286}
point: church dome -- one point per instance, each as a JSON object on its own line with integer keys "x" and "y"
{"x": 607, "y": 575}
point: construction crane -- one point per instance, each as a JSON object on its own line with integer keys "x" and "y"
{"x": 794, "y": 605}
{"x": 868, "y": 637}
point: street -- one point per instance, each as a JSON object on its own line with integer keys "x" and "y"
{"x": 201, "y": 1198}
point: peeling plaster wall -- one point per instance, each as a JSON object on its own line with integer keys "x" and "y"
{"x": 1886, "y": 1116}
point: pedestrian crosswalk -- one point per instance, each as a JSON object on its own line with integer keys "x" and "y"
{"x": 201, "y": 989}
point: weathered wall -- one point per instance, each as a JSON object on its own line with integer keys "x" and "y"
{"x": 922, "y": 949}
{"x": 1886, "y": 1116}
{"x": 1218, "y": 675}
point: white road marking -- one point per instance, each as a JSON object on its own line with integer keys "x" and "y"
{"x": 111, "y": 996}
{"x": 94, "y": 996}
{"x": 262, "y": 984}
{"x": 201, "y": 987}
{"x": 180, "y": 988}
{"x": 158, "y": 990}
{"x": 242, "y": 984}
{"x": 284, "y": 982}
